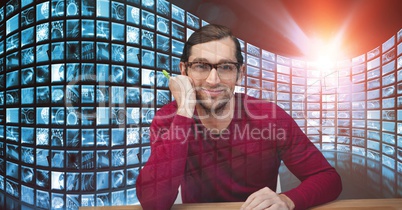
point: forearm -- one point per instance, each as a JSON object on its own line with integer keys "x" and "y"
{"x": 320, "y": 183}
{"x": 289, "y": 203}
{"x": 158, "y": 182}
{"x": 315, "y": 190}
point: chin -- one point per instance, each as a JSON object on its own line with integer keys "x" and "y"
{"x": 210, "y": 104}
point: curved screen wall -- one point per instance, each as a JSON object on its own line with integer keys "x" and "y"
{"x": 80, "y": 81}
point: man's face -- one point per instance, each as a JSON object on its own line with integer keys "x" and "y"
{"x": 213, "y": 92}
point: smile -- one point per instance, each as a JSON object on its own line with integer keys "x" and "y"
{"x": 213, "y": 92}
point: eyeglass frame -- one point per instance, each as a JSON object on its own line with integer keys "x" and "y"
{"x": 214, "y": 66}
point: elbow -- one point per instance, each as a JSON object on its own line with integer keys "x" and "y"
{"x": 146, "y": 201}
{"x": 151, "y": 198}
{"x": 333, "y": 185}
{"x": 337, "y": 185}
{"x": 143, "y": 195}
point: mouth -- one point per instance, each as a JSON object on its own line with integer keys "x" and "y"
{"x": 213, "y": 92}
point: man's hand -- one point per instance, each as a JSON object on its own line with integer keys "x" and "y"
{"x": 182, "y": 89}
{"x": 265, "y": 198}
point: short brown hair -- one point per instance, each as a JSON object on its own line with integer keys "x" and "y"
{"x": 209, "y": 33}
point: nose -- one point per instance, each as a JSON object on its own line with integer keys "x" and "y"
{"x": 213, "y": 77}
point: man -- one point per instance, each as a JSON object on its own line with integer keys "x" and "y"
{"x": 219, "y": 146}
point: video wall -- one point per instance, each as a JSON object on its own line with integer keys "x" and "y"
{"x": 80, "y": 81}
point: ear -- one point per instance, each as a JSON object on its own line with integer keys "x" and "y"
{"x": 242, "y": 71}
{"x": 182, "y": 66}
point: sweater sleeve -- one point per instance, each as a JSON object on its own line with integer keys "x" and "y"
{"x": 158, "y": 182}
{"x": 320, "y": 183}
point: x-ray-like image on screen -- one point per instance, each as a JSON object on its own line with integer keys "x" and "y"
{"x": 57, "y": 201}
{"x": 12, "y": 24}
{"x": 133, "y": 55}
{"x": 88, "y": 140}
{"x": 118, "y": 32}
{"x": 162, "y": 25}
{"x": 148, "y": 19}
{"x": 133, "y": 75}
{"x": 178, "y": 31}
{"x": 27, "y": 56}
{"x": 27, "y": 194}
{"x": 102, "y": 51}
{"x": 12, "y": 169}
{"x": 193, "y": 21}
{"x": 12, "y": 42}
{"x": 27, "y": 16}
{"x": 147, "y": 115}
{"x": 162, "y": 97}
{"x": 133, "y": 35}
{"x": 133, "y": 116}
{"x": 117, "y": 95}
{"x": 163, "y": 8}
{"x": 177, "y": 47}
{"x": 148, "y": 96}
{"x": 27, "y": 115}
{"x": 42, "y": 32}
{"x": 12, "y": 188}
{"x": 162, "y": 43}
{"x": 162, "y": 61}
{"x": 133, "y": 136}
{"x": 178, "y": 13}
{"x": 118, "y": 118}
{"x": 88, "y": 116}
{"x": 133, "y": 15}
{"x": 57, "y": 30}
{"x": 42, "y": 11}
{"x": 148, "y": 58}
{"x": 12, "y": 61}
{"x": 118, "y": 53}
{"x": 58, "y": 158}
{"x": 118, "y": 74}
{"x": 148, "y": 4}
{"x": 12, "y": 79}
{"x": 103, "y": 161}
{"x": 147, "y": 39}
{"x": 102, "y": 30}
{"x": 132, "y": 96}
{"x": 117, "y": 157}
{"x": 26, "y": 36}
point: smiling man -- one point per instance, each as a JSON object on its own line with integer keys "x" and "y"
{"x": 221, "y": 146}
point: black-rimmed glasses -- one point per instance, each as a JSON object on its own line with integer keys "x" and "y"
{"x": 226, "y": 70}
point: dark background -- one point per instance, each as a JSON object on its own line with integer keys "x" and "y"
{"x": 290, "y": 27}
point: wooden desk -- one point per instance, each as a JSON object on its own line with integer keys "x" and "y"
{"x": 353, "y": 204}
{"x": 363, "y": 204}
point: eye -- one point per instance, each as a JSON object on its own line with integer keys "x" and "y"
{"x": 227, "y": 66}
{"x": 201, "y": 66}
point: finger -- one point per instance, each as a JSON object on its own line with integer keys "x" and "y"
{"x": 184, "y": 94}
{"x": 257, "y": 197}
{"x": 264, "y": 204}
{"x": 177, "y": 84}
{"x": 174, "y": 86}
{"x": 246, "y": 203}
{"x": 277, "y": 204}
{"x": 264, "y": 200}
{"x": 191, "y": 81}
{"x": 251, "y": 198}
{"x": 274, "y": 203}
{"x": 259, "y": 202}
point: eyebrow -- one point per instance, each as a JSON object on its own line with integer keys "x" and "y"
{"x": 206, "y": 60}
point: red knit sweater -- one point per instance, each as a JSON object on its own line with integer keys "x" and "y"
{"x": 241, "y": 160}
